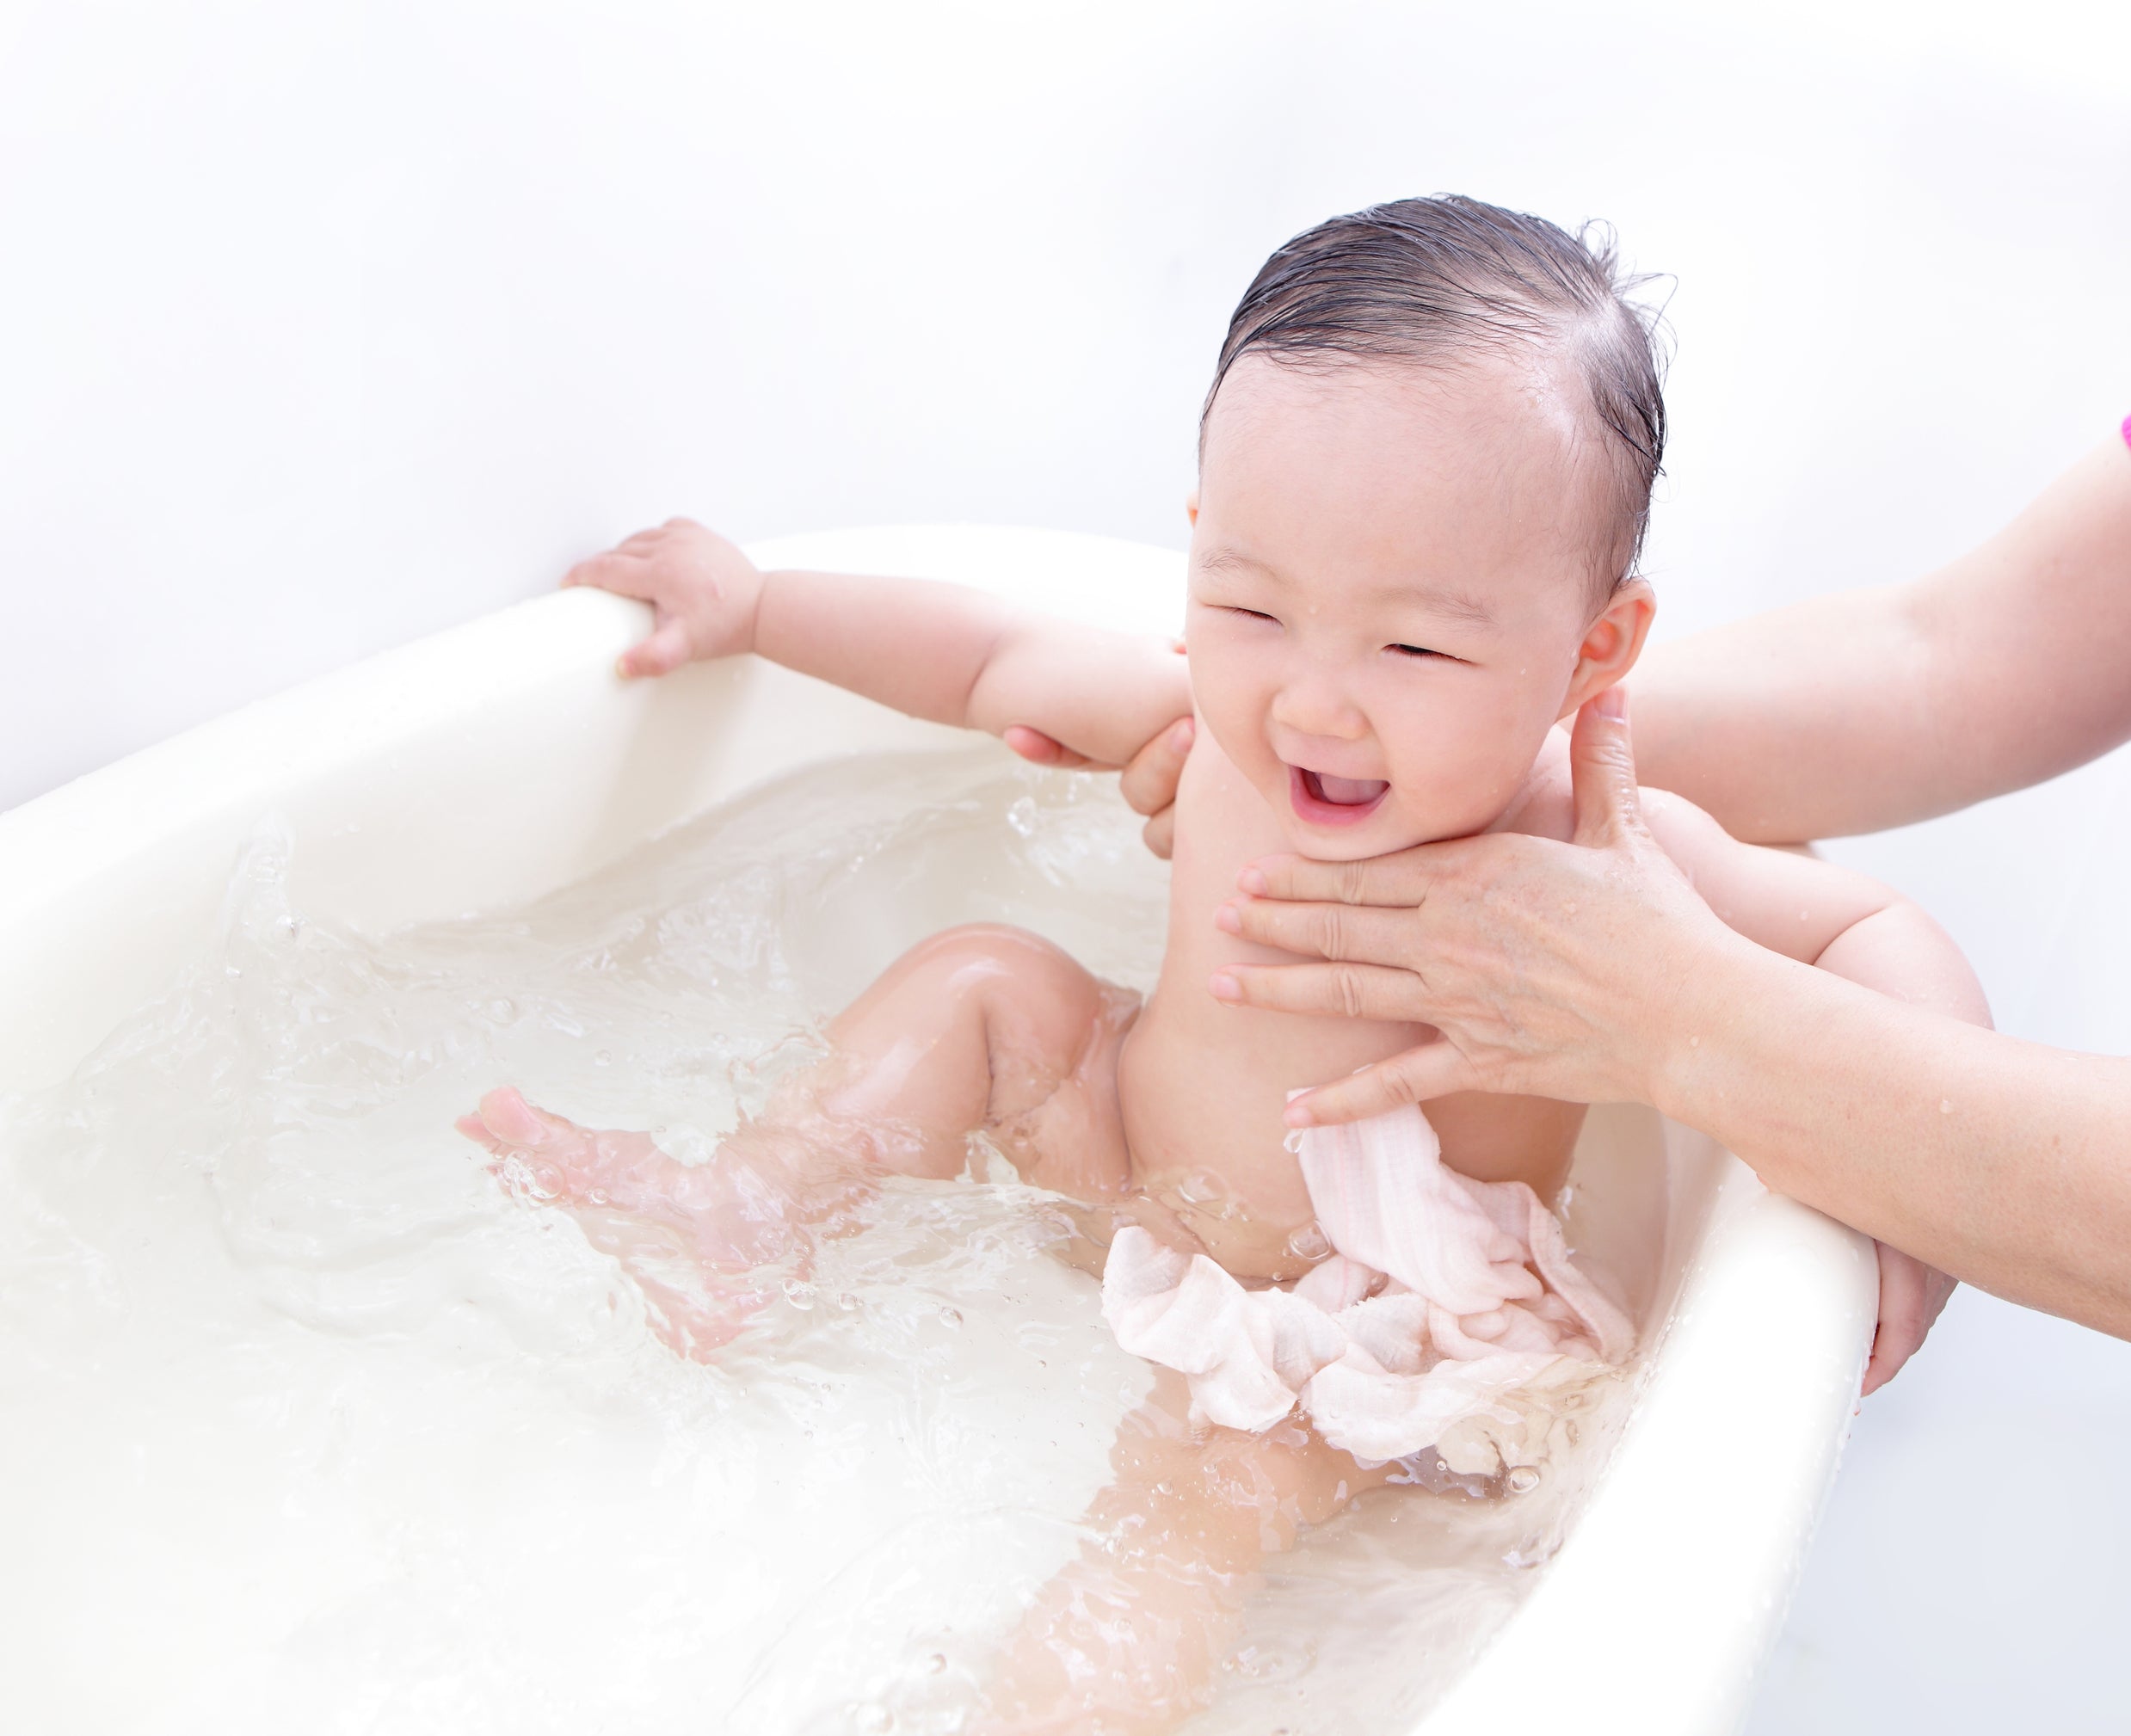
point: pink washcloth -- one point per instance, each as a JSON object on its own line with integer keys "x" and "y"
{"x": 1444, "y": 1295}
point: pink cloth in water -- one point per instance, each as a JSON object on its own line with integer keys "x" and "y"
{"x": 1443, "y": 1295}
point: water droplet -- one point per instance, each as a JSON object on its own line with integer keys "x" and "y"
{"x": 847, "y": 1301}
{"x": 596, "y": 1195}
{"x": 935, "y": 1664}
{"x": 1198, "y": 1189}
{"x": 949, "y": 1316}
{"x": 602, "y": 1057}
{"x": 799, "y": 1293}
{"x": 1945, "y": 1105}
{"x": 1021, "y": 816}
{"x": 1523, "y": 1479}
{"x": 1309, "y": 1242}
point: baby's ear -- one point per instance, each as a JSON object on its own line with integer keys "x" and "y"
{"x": 1612, "y": 643}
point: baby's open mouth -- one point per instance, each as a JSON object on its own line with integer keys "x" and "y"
{"x": 1325, "y": 800}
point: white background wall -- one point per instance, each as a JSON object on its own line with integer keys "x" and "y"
{"x": 325, "y": 325}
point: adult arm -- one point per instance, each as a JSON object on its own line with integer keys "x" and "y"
{"x": 1591, "y": 970}
{"x": 1874, "y": 708}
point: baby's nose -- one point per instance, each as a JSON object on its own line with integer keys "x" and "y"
{"x": 1318, "y": 708}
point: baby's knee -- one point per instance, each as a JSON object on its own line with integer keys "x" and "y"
{"x": 982, "y": 958}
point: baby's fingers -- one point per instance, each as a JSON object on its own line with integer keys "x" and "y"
{"x": 666, "y": 650}
{"x": 626, "y": 576}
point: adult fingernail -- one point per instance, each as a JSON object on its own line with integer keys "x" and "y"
{"x": 1224, "y": 987}
{"x": 1227, "y": 920}
{"x": 1612, "y": 703}
{"x": 1253, "y": 881}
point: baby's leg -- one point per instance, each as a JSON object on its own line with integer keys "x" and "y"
{"x": 980, "y": 1029}
{"x": 1129, "y": 1638}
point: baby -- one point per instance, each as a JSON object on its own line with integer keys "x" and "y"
{"x": 1425, "y": 465}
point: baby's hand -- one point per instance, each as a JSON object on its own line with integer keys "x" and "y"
{"x": 1911, "y": 1296}
{"x": 705, "y": 590}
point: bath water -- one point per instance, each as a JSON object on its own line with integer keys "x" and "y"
{"x": 306, "y": 1424}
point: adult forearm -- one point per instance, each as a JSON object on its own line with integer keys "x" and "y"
{"x": 2004, "y": 1163}
{"x": 1812, "y": 721}
{"x": 1869, "y": 709}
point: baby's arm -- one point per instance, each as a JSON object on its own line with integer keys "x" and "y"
{"x": 1815, "y": 912}
{"x": 942, "y": 652}
{"x": 1854, "y": 927}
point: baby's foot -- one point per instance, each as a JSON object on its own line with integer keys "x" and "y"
{"x": 682, "y": 1237}
{"x": 556, "y": 1159}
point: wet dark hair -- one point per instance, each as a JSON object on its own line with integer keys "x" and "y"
{"x": 1432, "y": 282}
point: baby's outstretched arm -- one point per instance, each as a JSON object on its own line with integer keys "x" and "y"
{"x": 941, "y": 652}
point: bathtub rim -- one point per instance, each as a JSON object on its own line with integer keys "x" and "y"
{"x": 148, "y": 842}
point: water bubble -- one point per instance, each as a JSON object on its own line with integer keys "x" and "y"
{"x": 949, "y": 1316}
{"x": 1523, "y": 1479}
{"x": 1571, "y": 1432}
{"x": 602, "y": 1057}
{"x": 596, "y": 1195}
{"x": 1309, "y": 1242}
{"x": 799, "y": 1293}
{"x": 936, "y": 1663}
{"x": 1197, "y": 1190}
{"x": 1021, "y": 817}
{"x": 847, "y": 1301}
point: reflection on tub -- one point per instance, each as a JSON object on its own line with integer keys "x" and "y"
{"x": 339, "y": 1434}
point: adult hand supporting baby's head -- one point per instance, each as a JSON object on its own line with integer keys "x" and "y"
{"x": 1148, "y": 781}
{"x": 1546, "y": 968}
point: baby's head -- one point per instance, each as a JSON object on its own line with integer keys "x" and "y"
{"x": 1425, "y": 469}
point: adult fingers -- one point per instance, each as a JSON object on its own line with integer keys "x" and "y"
{"x": 1432, "y": 1069}
{"x": 664, "y": 652}
{"x": 1151, "y": 776}
{"x": 1322, "y": 931}
{"x": 1039, "y": 749}
{"x": 1602, "y": 763}
{"x": 1353, "y": 991}
{"x": 1161, "y": 833}
{"x": 1395, "y": 881}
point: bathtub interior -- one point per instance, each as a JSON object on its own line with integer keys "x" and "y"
{"x": 481, "y": 769}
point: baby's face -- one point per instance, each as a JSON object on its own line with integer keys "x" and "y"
{"x": 1391, "y": 595}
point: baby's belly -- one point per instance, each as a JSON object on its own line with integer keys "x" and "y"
{"x": 1201, "y": 1093}
{"x": 1201, "y": 1090}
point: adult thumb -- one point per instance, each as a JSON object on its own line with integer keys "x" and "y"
{"x": 1602, "y": 762}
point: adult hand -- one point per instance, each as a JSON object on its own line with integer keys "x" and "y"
{"x": 1545, "y": 967}
{"x": 1150, "y": 779}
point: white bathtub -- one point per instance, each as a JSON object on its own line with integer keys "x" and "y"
{"x": 400, "y": 777}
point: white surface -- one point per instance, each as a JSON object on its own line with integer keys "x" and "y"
{"x": 1662, "y": 1602}
{"x": 327, "y": 326}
